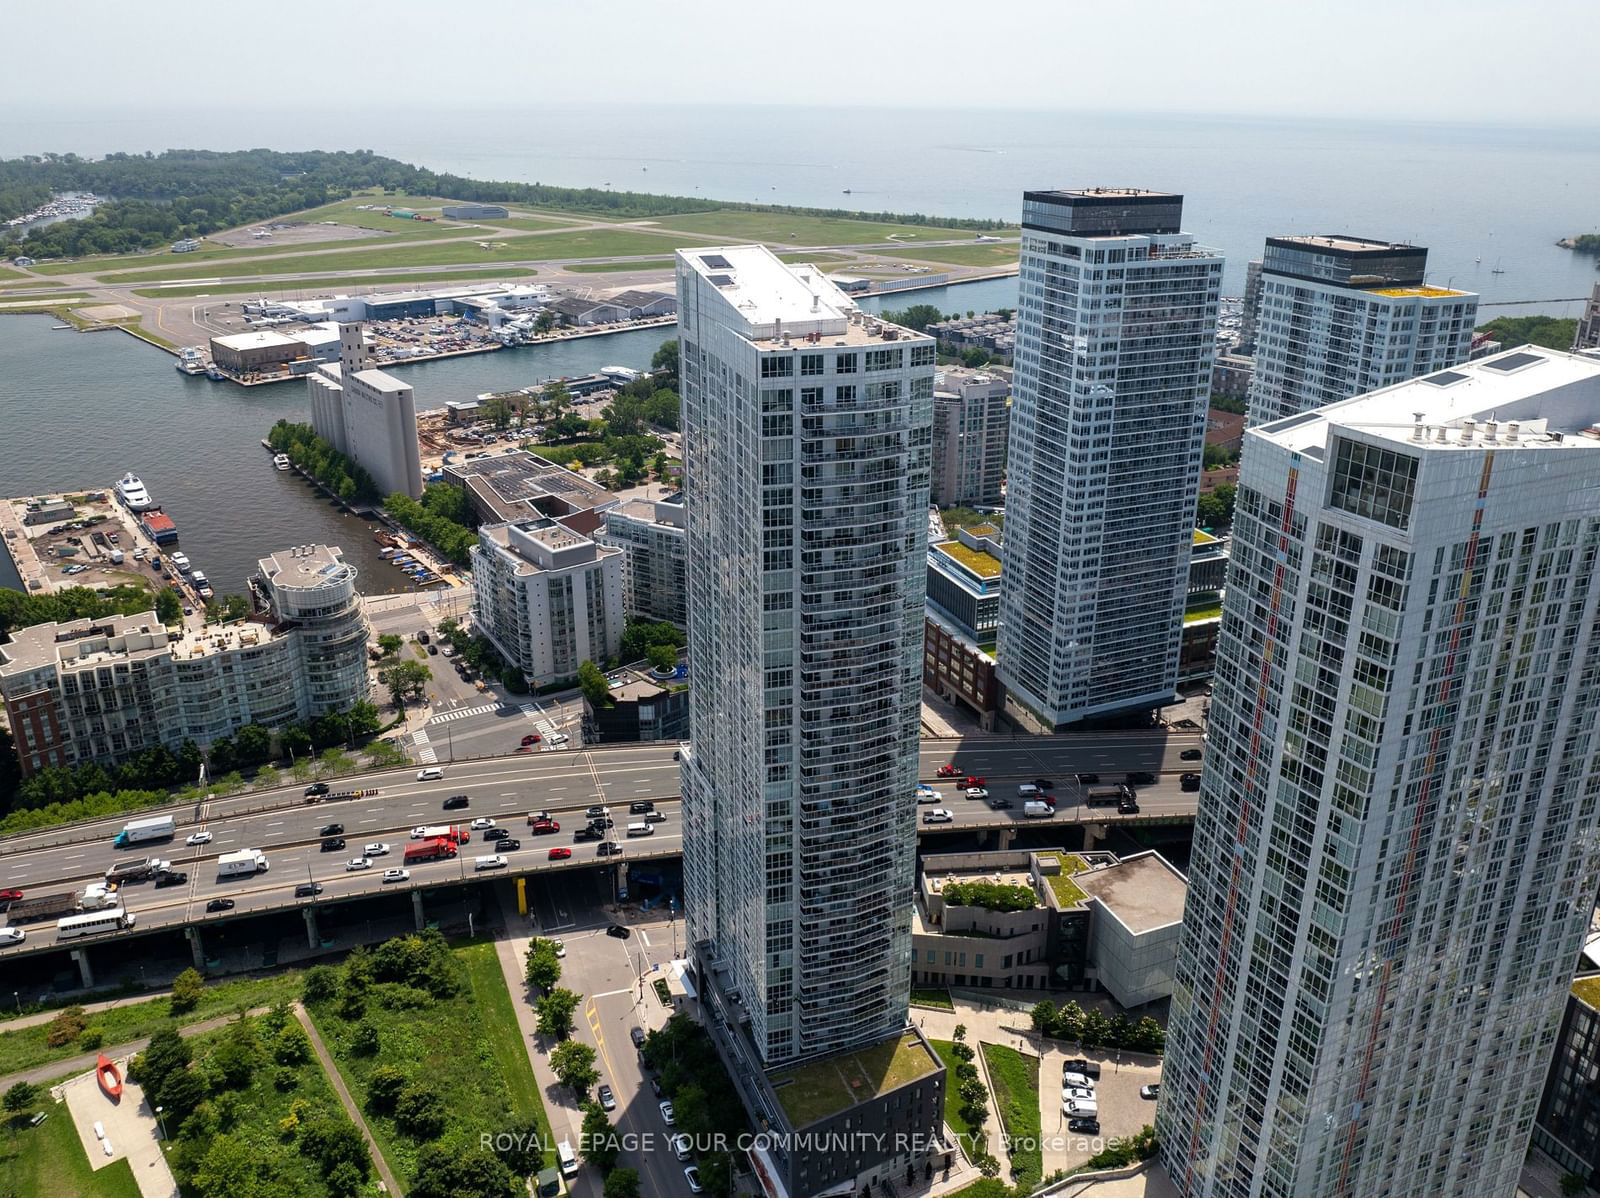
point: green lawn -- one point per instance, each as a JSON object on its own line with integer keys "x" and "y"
{"x": 816, "y": 1090}
{"x": 462, "y": 1046}
{"x": 579, "y": 243}
{"x": 988, "y": 1187}
{"x": 1209, "y": 611}
{"x": 1588, "y": 989}
{"x": 1016, "y": 1098}
{"x": 163, "y": 257}
{"x": 25, "y": 1048}
{"x": 936, "y": 997}
{"x": 7, "y": 273}
{"x": 1068, "y": 893}
{"x": 985, "y": 253}
{"x": 331, "y": 283}
{"x": 798, "y": 229}
{"x": 971, "y": 1144}
{"x": 605, "y": 267}
{"x": 48, "y": 1161}
{"x": 528, "y": 222}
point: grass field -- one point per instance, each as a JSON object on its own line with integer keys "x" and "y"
{"x": 1016, "y": 1097}
{"x": 580, "y": 243}
{"x": 529, "y": 222}
{"x": 797, "y": 229}
{"x": 971, "y": 1143}
{"x": 985, "y": 253}
{"x": 7, "y": 273}
{"x": 48, "y": 1162}
{"x": 25, "y": 1048}
{"x": 607, "y": 267}
{"x": 327, "y": 284}
{"x": 158, "y": 259}
{"x": 937, "y": 998}
{"x": 467, "y": 1047}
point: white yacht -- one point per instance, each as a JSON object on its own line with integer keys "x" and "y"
{"x": 191, "y": 360}
{"x": 133, "y": 494}
{"x": 281, "y": 461}
{"x": 180, "y": 562}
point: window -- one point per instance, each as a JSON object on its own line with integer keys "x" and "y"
{"x": 811, "y": 364}
{"x": 1375, "y": 483}
{"x": 845, "y": 364}
{"x": 922, "y": 355}
{"x": 777, "y": 368}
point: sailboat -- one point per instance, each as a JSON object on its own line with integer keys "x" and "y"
{"x": 1497, "y": 270}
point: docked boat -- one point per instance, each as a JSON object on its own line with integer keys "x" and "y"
{"x": 202, "y": 584}
{"x": 109, "y": 1077}
{"x": 281, "y": 461}
{"x": 214, "y": 372}
{"x": 191, "y": 360}
{"x": 133, "y": 494}
{"x": 158, "y": 526}
{"x": 180, "y": 562}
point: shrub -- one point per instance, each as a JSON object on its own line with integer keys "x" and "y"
{"x": 384, "y": 1087}
{"x": 65, "y": 1027}
{"x": 419, "y": 1111}
{"x": 291, "y": 1046}
{"x": 364, "y": 1041}
{"x": 321, "y": 983}
{"x": 91, "y": 1038}
{"x": 187, "y": 988}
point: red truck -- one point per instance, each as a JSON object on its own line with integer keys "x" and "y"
{"x": 435, "y": 848}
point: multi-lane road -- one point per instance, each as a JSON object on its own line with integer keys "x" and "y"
{"x": 288, "y": 830}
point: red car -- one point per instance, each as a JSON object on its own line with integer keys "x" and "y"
{"x": 560, "y": 854}
{"x": 532, "y": 738}
{"x": 971, "y": 781}
{"x": 543, "y": 827}
{"x": 947, "y": 771}
{"x": 10, "y": 896}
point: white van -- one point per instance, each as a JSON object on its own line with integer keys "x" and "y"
{"x": 1027, "y": 791}
{"x": 641, "y": 829}
{"x": 567, "y": 1158}
{"x": 1035, "y": 809}
{"x": 432, "y": 774}
{"x": 492, "y": 861}
{"x": 1080, "y": 1108}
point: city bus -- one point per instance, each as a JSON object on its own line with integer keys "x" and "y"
{"x": 94, "y": 923}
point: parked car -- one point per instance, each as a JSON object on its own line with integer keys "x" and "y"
{"x": 1078, "y": 1080}
{"x": 1078, "y": 1065}
{"x": 199, "y": 838}
{"x": 637, "y": 1035}
{"x": 1152, "y": 1091}
{"x": 507, "y": 844}
{"x": 608, "y": 1100}
{"x": 681, "y": 1145}
{"x": 1084, "y": 1126}
{"x": 666, "y": 1113}
{"x": 220, "y": 905}
{"x": 1190, "y": 781}
{"x": 1079, "y": 1093}
{"x": 691, "y": 1174}
{"x": 1088, "y": 779}
{"x": 620, "y": 931}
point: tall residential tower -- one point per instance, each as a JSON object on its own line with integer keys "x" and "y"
{"x": 1340, "y": 316}
{"x": 1395, "y": 855}
{"x": 1116, "y": 326}
{"x": 806, "y": 438}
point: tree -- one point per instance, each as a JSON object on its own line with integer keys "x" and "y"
{"x": 573, "y": 1064}
{"x": 333, "y": 1140}
{"x": 598, "y": 1141}
{"x": 665, "y": 360}
{"x": 389, "y": 644}
{"x": 498, "y": 412}
{"x": 291, "y": 1046}
{"x": 592, "y": 682}
{"x": 321, "y": 983}
{"x": 555, "y": 1013}
{"x": 1215, "y": 507}
{"x": 180, "y": 1093}
{"x": 296, "y": 740}
{"x": 364, "y": 1040}
{"x": 419, "y": 1111}
{"x": 917, "y": 316}
{"x": 663, "y": 657}
{"x": 238, "y": 1056}
{"x": 166, "y": 1054}
{"x": 622, "y": 1183}
{"x": 363, "y": 718}
{"x": 169, "y": 605}
{"x": 67, "y": 1026}
{"x": 1069, "y": 1021}
{"x": 1551, "y": 332}
{"x": 384, "y": 1086}
{"x": 544, "y": 967}
{"x": 405, "y": 679}
{"x": 448, "y": 1172}
{"x": 23, "y": 1095}
{"x": 1043, "y": 1016}
{"x": 230, "y": 1168}
{"x": 522, "y": 1148}
{"x": 187, "y": 989}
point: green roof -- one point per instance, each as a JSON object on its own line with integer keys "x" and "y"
{"x": 1588, "y": 989}
{"x": 821, "y": 1088}
{"x": 1202, "y": 537}
{"x": 1068, "y": 893}
{"x": 984, "y": 565}
{"x": 1210, "y": 611}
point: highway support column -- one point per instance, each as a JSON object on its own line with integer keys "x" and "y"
{"x": 197, "y": 948}
{"x": 1004, "y": 838}
{"x": 416, "y": 908}
{"x": 1093, "y": 835}
{"x": 312, "y": 938}
{"x": 81, "y": 956}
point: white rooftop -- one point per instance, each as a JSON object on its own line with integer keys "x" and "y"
{"x": 261, "y": 339}
{"x": 1524, "y": 397}
{"x": 770, "y": 294}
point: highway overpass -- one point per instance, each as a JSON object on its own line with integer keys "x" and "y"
{"x": 281, "y": 824}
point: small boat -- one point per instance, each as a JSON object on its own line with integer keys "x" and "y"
{"x": 109, "y": 1077}
{"x": 214, "y": 372}
{"x": 846, "y": 191}
{"x": 281, "y": 461}
{"x": 135, "y": 497}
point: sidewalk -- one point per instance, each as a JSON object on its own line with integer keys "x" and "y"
{"x": 350, "y": 1108}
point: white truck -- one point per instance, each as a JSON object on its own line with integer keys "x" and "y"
{"x": 139, "y": 831}
{"x": 241, "y": 864}
{"x": 1037, "y": 810}
{"x": 97, "y": 895}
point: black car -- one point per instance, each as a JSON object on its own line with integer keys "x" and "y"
{"x": 497, "y": 833}
{"x": 609, "y": 848}
{"x": 508, "y": 845}
{"x": 1190, "y": 781}
{"x": 422, "y": 638}
{"x": 433, "y": 650}
{"x": 220, "y": 905}
{"x": 316, "y": 789}
{"x": 591, "y": 812}
{"x": 1128, "y": 807}
{"x": 640, "y": 808}
{"x": 1044, "y": 784}
{"x": 1078, "y": 1065}
{"x": 1088, "y": 779}
{"x": 333, "y": 844}
{"x": 588, "y": 834}
{"x": 1141, "y": 778}
{"x": 308, "y": 890}
{"x": 620, "y": 932}
{"x": 1190, "y": 754}
{"x": 1085, "y": 1127}
{"x": 331, "y": 829}
{"x": 171, "y": 879}
{"x": 999, "y": 802}
{"x": 638, "y": 1037}
{"x": 456, "y": 802}
{"x": 676, "y": 755}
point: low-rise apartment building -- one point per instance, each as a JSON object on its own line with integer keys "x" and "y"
{"x": 104, "y": 689}
{"x": 547, "y": 596}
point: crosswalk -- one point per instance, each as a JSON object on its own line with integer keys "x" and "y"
{"x": 425, "y": 752}
{"x": 543, "y": 724}
{"x": 462, "y": 713}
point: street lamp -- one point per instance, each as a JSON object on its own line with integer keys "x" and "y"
{"x": 162, "y": 1122}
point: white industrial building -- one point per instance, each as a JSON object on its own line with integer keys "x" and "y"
{"x": 1339, "y": 316}
{"x": 1116, "y": 325}
{"x": 1398, "y": 837}
{"x": 548, "y": 597}
{"x": 368, "y": 415}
